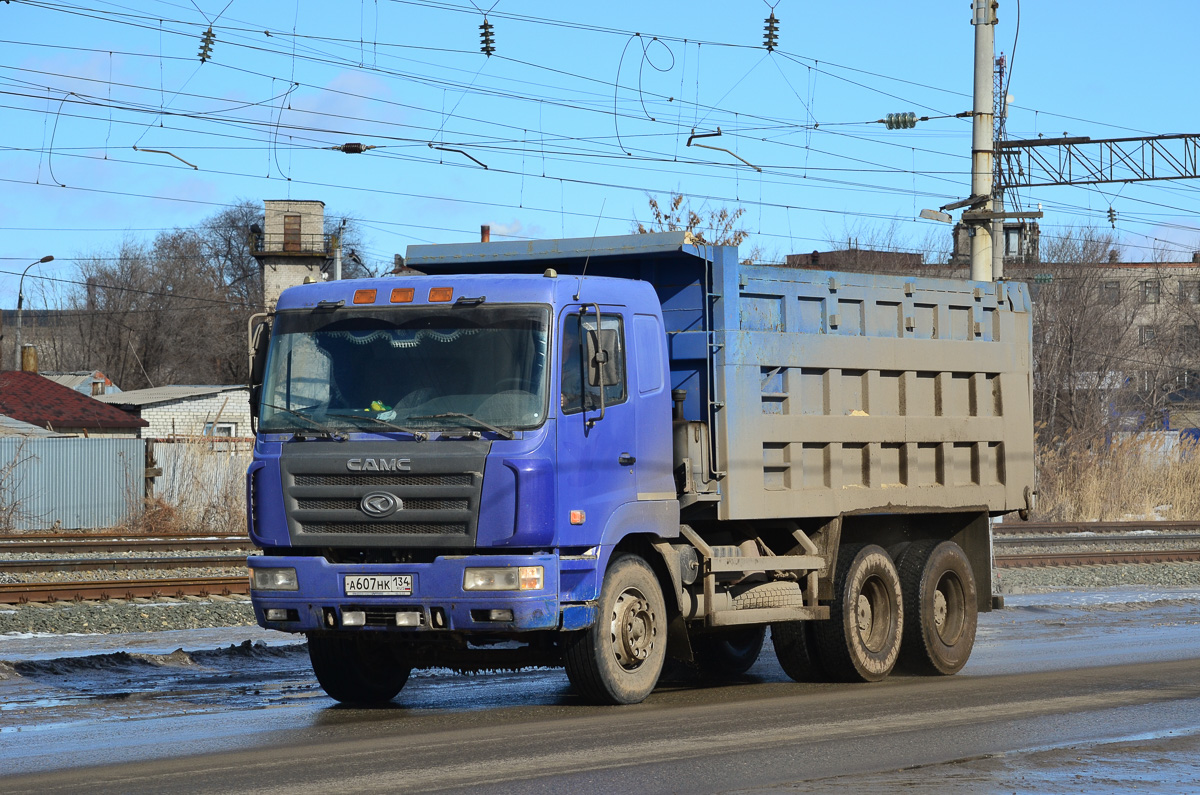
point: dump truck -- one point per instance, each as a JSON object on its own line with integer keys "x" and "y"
{"x": 605, "y": 453}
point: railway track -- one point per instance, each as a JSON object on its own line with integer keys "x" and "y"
{"x": 93, "y": 551}
{"x": 1095, "y": 543}
{"x": 1007, "y": 536}
{"x": 103, "y": 590}
{"x": 80, "y": 544}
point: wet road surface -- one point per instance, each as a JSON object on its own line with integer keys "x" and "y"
{"x": 1078, "y": 692}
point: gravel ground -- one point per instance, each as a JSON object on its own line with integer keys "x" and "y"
{"x": 120, "y": 615}
{"x": 1049, "y": 578}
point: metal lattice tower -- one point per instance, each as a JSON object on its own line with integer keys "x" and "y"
{"x": 1000, "y": 103}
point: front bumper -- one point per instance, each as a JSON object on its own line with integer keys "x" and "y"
{"x": 320, "y": 603}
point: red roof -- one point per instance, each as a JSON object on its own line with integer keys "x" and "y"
{"x": 39, "y": 401}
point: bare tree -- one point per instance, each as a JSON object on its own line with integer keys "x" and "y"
{"x": 1098, "y": 361}
{"x": 715, "y": 227}
{"x": 174, "y": 310}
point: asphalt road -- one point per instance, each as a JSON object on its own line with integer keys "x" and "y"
{"x": 1056, "y": 699}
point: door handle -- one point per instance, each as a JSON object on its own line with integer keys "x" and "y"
{"x": 626, "y": 460}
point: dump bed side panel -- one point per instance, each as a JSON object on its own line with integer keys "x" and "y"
{"x": 857, "y": 392}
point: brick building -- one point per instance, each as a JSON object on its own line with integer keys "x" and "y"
{"x": 187, "y": 411}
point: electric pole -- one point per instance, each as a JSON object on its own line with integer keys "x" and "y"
{"x": 984, "y": 20}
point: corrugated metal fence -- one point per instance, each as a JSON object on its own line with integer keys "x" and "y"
{"x": 70, "y": 482}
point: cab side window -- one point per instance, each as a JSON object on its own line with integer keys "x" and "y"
{"x": 578, "y": 393}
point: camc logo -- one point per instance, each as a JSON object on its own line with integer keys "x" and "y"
{"x": 378, "y": 464}
{"x": 380, "y": 504}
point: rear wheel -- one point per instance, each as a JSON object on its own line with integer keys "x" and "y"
{"x": 861, "y": 640}
{"x": 940, "y": 605}
{"x": 618, "y": 660}
{"x": 357, "y": 670}
{"x": 796, "y": 650}
{"x": 723, "y": 655}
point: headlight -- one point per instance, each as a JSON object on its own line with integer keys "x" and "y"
{"x": 273, "y": 579}
{"x": 509, "y": 578}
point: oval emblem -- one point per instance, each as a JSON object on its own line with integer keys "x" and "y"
{"x": 380, "y": 504}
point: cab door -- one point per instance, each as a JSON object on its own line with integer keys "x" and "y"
{"x": 597, "y": 422}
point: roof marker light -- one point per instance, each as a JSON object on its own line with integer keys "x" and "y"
{"x": 402, "y": 295}
{"x": 364, "y": 296}
{"x": 437, "y": 294}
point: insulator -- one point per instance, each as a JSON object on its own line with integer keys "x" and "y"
{"x": 487, "y": 40}
{"x": 771, "y": 33}
{"x": 206, "y": 43}
{"x": 900, "y": 121}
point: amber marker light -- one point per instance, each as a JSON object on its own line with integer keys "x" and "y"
{"x": 440, "y": 293}
{"x": 578, "y": 517}
{"x": 402, "y": 295}
{"x": 364, "y": 296}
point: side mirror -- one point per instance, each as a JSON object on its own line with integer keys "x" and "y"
{"x": 601, "y": 357}
{"x": 260, "y": 336}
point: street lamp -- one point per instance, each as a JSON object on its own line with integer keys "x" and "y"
{"x": 21, "y": 300}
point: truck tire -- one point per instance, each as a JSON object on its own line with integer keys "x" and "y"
{"x": 728, "y": 654}
{"x": 796, "y": 650}
{"x": 618, "y": 660}
{"x": 861, "y": 640}
{"x": 766, "y": 594}
{"x": 940, "y": 607}
{"x": 357, "y": 670}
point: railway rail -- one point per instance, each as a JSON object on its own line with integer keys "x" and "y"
{"x": 103, "y": 590}
{"x": 1106, "y": 538}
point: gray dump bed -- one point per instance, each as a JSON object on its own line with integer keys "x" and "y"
{"x": 826, "y": 392}
{"x": 849, "y": 392}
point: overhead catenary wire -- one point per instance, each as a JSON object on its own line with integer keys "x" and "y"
{"x": 643, "y": 95}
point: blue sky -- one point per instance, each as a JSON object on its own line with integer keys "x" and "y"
{"x": 576, "y": 116}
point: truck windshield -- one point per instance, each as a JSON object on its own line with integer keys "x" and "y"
{"x": 420, "y": 368}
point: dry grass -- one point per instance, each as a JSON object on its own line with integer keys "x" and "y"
{"x": 200, "y": 490}
{"x": 1141, "y": 478}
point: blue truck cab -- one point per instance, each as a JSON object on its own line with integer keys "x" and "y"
{"x": 528, "y": 455}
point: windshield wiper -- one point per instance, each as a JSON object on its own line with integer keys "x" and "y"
{"x": 419, "y": 435}
{"x": 322, "y": 431}
{"x": 458, "y": 415}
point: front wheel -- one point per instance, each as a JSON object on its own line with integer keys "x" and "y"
{"x": 941, "y": 606}
{"x": 619, "y": 658}
{"x": 861, "y": 640}
{"x": 357, "y": 670}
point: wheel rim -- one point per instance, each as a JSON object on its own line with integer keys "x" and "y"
{"x": 873, "y": 611}
{"x": 949, "y": 608}
{"x": 633, "y": 628}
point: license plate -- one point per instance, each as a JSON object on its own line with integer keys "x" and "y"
{"x": 378, "y": 584}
